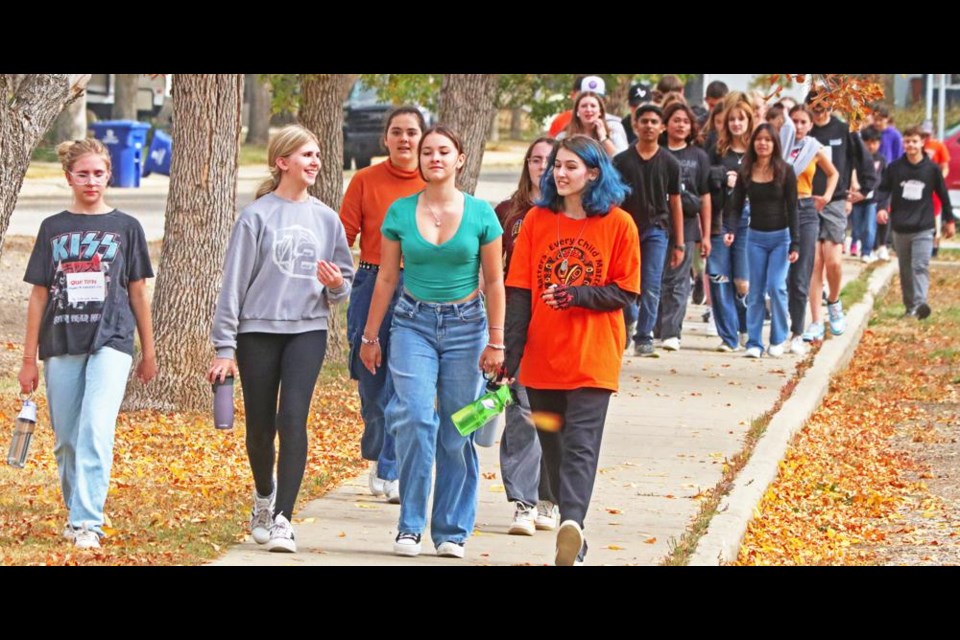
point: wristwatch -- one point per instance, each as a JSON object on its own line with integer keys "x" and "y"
{"x": 680, "y": 247}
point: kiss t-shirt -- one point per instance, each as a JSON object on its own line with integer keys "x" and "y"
{"x": 86, "y": 262}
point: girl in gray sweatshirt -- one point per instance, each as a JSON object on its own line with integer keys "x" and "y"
{"x": 286, "y": 263}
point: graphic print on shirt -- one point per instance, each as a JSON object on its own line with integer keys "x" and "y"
{"x": 569, "y": 264}
{"x": 295, "y": 252}
{"x": 82, "y": 276}
{"x": 912, "y": 189}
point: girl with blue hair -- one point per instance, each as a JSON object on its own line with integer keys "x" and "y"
{"x": 575, "y": 265}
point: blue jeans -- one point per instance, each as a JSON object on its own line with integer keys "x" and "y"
{"x": 720, "y": 272}
{"x": 741, "y": 267}
{"x": 654, "y": 247}
{"x": 375, "y": 390}
{"x": 800, "y": 272}
{"x": 84, "y": 393}
{"x": 434, "y": 362}
{"x": 768, "y": 251}
{"x": 864, "y": 217}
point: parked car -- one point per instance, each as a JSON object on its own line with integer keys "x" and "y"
{"x": 952, "y": 142}
{"x": 363, "y": 120}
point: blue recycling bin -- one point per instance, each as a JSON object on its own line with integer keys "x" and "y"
{"x": 125, "y": 140}
{"x": 158, "y": 157}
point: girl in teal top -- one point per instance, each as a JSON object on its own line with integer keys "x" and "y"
{"x": 438, "y": 335}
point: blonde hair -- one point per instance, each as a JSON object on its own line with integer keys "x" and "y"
{"x": 288, "y": 140}
{"x": 72, "y": 150}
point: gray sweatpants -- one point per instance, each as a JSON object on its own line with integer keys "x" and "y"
{"x": 913, "y": 254}
{"x": 674, "y": 292}
{"x": 520, "y": 460}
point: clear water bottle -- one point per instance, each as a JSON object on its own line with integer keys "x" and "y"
{"x": 223, "y": 403}
{"x": 22, "y": 434}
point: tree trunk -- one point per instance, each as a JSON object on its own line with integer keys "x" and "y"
{"x": 321, "y": 111}
{"x": 72, "y": 122}
{"x": 258, "y": 125}
{"x": 125, "y": 96}
{"x": 467, "y": 102}
{"x": 493, "y": 135}
{"x": 199, "y": 217}
{"x": 29, "y": 103}
{"x": 516, "y": 123}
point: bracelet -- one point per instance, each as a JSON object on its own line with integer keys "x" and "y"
{"x": 605, "y": 140}
{"x": 498, "y": 347}
{"x": 30, "y": 358}
{"x": 365, "y": 340}
{"x": 495, "y": 328}
{"x": 680, "y": 247}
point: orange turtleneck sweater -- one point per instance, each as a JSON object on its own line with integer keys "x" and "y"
{"x": 370, "y": 193}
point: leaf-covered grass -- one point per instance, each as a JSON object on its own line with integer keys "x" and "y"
{"x": 180, "y": 489}
{"x": 845, "y": 483}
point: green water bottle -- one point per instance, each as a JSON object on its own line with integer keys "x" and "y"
{"x": 479, "y": 412}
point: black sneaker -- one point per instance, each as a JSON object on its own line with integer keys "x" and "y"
{"x": 923, "y": 311}
{"x": 407, "y": 544}
{"x": 698, "y": 293}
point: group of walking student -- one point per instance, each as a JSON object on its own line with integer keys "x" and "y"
{"x": 543, "y": 293}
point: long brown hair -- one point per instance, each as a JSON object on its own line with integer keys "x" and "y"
{"x": 522, "y": 198}
{"x": 777, "y": 163}
{"x": 725, "y": 140}
{"x": 576, "y": 127}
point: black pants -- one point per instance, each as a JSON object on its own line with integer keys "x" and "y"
{"x": 289, "y": 364}
{"x": 570, "y": 455}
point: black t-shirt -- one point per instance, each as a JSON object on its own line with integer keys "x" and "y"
{"x": 694, "y": 173}
{"x": 652, "y": 182}
{"x": 846, "y": 152}
{"x": 719, "y": 191}
{"x": 86, "y": 262}
{"x": 773, "y": 205}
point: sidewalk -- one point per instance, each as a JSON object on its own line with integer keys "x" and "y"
{"x": 668, "y": 431}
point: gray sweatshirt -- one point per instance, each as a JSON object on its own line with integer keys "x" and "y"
{"x": 270, "y": 272}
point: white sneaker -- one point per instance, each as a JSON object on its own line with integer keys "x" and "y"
{"x": 524, "y": 521}
{"x": 391, "y": 489}
{"x": 775, "y": 350}
{"x": 569, "y": 543}
{"x": 799, "y": 347}
{"x": 261, "y": 516}
{"x": 69, "y": 532}
{"x": 883, "y": 253}
{"x": 86, "y": 539}
{"x": 723, "y": 347}
{"x": 407, "y": 544}
{"x": 548, "y": 515}
{"x": 281, "y": 536}
{"x": 671, "y": 344}
{"x": 753, "y": 352}
{"x": 450, "y": 549}
{"x": 868, "y": 259}
{"x": 375, "y": 483}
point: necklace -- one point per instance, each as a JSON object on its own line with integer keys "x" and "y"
{"x": 436, "y": 218}
{"x": 564, "y": 257}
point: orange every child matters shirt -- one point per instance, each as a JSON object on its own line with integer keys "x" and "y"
{"x": 576, "y": 347}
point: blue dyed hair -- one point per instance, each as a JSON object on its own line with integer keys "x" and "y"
{"x": 600, "y": 195}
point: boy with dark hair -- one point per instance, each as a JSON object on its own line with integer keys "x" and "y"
{"x": 906, "y": 196}
{"x": 654, "y": 202}
{"x": 864, "y": 214}
{"x": 891, "y": 142}
{"x": 846, "y": 152}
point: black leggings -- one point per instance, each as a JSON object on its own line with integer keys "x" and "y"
{"x": 290, "y": 364}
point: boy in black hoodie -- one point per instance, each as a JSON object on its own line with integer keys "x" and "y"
{"x": 906, "y": 192}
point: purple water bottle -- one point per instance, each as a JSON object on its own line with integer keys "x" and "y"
{"x": 223, "y": 403}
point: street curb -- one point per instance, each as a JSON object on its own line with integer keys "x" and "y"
{"x": 721, "y": 543}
